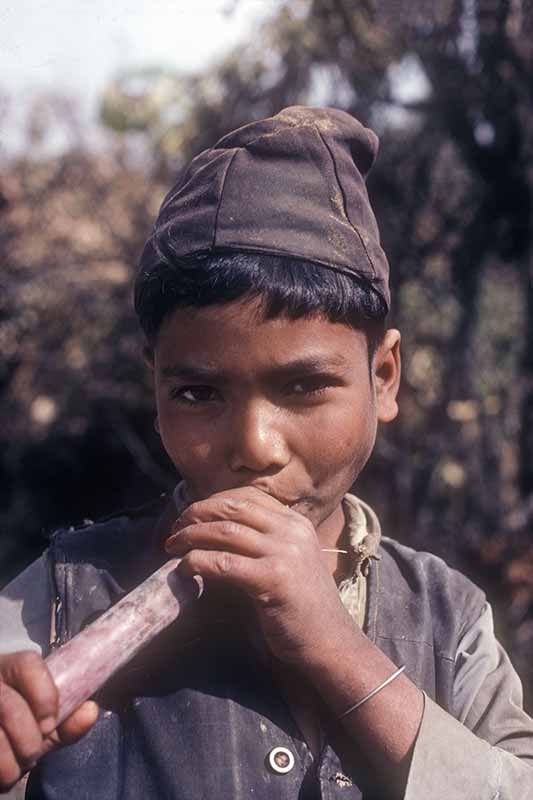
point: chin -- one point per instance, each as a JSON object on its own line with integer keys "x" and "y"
{"x": 313, "y": 510}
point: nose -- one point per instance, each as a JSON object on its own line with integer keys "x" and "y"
{"x": 257, "y": 440}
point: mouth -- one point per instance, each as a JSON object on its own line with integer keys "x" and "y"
{"x": 293, "y": 503}
{"x": 284, "y": 501}
{"x": 289, "y": 502}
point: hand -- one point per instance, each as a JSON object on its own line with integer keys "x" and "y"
{"x": 248, "y": 539}
{"x": 28, "y": 710}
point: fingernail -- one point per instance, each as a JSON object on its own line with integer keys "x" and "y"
{"x": 47, "y": 725}
{"x": 170, "y": 542}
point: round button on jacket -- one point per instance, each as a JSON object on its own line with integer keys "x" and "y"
{"x": 280, "y": 760}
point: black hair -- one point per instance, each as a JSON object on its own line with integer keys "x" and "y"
{"x": 287, "y": 286}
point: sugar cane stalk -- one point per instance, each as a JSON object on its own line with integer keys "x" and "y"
{"x": 82, "y": 666}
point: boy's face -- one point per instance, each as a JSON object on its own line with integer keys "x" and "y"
{"x": 287, "y": 406}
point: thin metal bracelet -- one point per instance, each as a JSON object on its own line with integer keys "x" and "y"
{"x": 372, "y": 693}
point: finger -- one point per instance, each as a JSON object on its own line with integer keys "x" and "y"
{"x": 28, "y": 674}
{"x": 74, "y": 727}
{"x": 251, "y": 511}
{"x": 251, "y": 493}
{"x": 221, "y": 535}
{"x": 249, "y": 574}
{"x": 10, "y": 770}
{"x": 19, "y": 726}
{"x": 240, "y": 494}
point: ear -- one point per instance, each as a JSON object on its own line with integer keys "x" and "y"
{"x": 148, "y": 357}
{"x": 387, "y": 369}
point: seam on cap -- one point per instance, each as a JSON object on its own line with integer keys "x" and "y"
{"x": 270, "y": 134}
{"x": 344, "y": 206}
{"x": 215, "y": 225}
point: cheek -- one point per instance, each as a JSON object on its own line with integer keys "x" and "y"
{"x": 187, "y": 445}
{"x": 186, "y": 456}
{"x": 343, "y": 441}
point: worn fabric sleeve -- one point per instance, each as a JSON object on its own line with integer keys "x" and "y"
{"x": 487, "y": 752}
{"x": 26, "y": 610}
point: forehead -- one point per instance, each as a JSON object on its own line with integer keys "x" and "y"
{"x": 236, "y": 338}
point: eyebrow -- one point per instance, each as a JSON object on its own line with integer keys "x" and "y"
{"x": 312, "y": 364}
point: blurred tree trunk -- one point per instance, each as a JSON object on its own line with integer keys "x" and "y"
{"x": 526, "y": 442}
{"x": 517, "y": 69}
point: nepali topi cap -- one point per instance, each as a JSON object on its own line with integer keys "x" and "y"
{"x": 291, "y": 185}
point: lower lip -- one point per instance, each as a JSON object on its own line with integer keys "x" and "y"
{"x": 286, "y": 503}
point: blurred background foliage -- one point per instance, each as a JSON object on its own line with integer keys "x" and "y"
{"x": 449, "y": 88}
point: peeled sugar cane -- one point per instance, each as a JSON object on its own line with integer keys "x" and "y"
{"x": 82, "y": 666}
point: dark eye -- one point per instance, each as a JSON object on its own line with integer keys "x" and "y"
{"x": 308, "y": 386}
{"x": 194, "y": 395}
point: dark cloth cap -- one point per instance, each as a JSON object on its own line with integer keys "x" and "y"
{"x": 290, "y": 185}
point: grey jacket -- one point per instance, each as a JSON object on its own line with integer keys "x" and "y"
{"x": 198, "y": 714}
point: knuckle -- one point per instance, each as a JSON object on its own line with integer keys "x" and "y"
{"x": 19, "y": 665}
{"x": 46, "y": 702}
{"x": 224, "y": 563}
{"x": 8, "y": 698}
{"x": 293, "y": 551}
{"x": 27, "y": 659}
{"x": 190, "y": 514}
{"x": 28, "y": 677}
{"x": 28, "y": 754}
{"x": 13, "y": 718}
{"x": 232, "y": 505}
{"x": 184, "y": 538}
{"x": 230, "y": 528}
{"x": 279, "y": 571}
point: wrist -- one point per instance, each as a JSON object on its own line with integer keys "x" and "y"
{"x": 333, "y": 656}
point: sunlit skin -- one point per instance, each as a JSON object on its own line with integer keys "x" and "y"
{"x": 287, "y": 406}
{"x": 269, "y": 421}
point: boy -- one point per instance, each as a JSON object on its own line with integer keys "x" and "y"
{"x": 321, "y": 661}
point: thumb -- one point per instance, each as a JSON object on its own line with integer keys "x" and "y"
{"x": 74, "y": 727}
